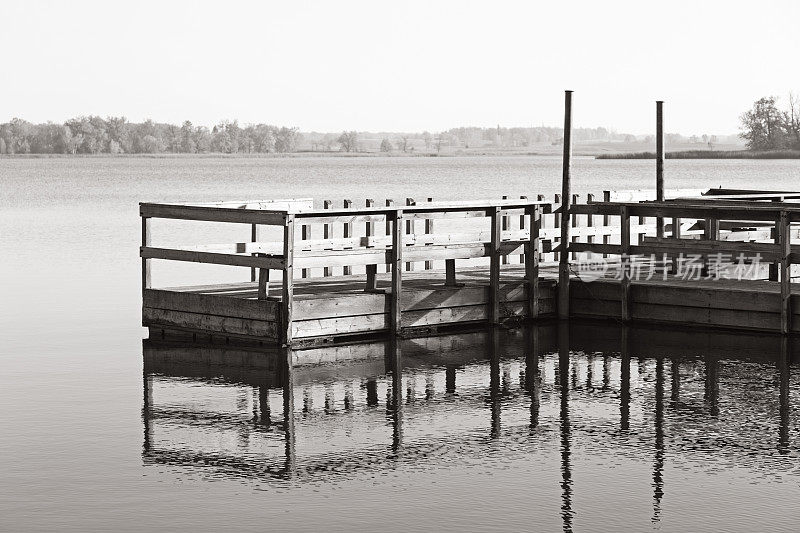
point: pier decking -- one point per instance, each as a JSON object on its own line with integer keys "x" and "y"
{"x": 722, "y": 260}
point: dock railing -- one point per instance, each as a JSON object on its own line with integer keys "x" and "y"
{"x": 736, "y": 213}
{"x": 393, "y": 249}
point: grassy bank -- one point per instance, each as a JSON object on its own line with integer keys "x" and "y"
{"x": 708, "y": 154}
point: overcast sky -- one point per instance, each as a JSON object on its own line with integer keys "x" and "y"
{"x": 398, "y": 66}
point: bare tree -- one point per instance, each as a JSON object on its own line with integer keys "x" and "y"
{"x": 348, "y": 141}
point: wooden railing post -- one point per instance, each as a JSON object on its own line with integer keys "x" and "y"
{"x": 625, "y": 265}
{"x": 676, "y": 234}
{"x": 347, "y": 232}
{"x": 253, "y": 238}
{"x": 494, "y": 265}
{"x": 326, "y": 234}
{"x": 563, "y": 256}
{"x": 784, "y": 228}
{"x": 371, "y": 270}
{"x": 710, "y": 233}
{"x": 522, "y": 226}
{"x": 429, "y": 231}
{"x": 395, "y": 308}
{"x": 532, "y": 260}
{"x": 505, "y": 227}
{"x": 389, "y": 203}
{"x": 410, "y": 229}
{"x": 287, "y": 293}
{"x": 305, "y": 234}
{"x": 146, "y": 276}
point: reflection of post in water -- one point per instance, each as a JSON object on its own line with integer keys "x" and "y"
{"x": 783, "y": 369}
{"x": 494, "y": 382}
{"x": 606, "y": 373}
{"x": 589, "y": 371}
{"x": 263, "y": 406}
{"x": 675, "y": 374}
{"x": 625, "y": 380}
{"x": 711, "y": 394}
{"x": 532, "y": 378}
{"x": 658, "y": 464}
{"x": 372, "y": 392}
{"x": 146, "y": 405}
{"x": 450, "y": 379}
{"x": 563, "y": 384}
{"x": 287, "y": 380}
{"x": 395, "y": 403}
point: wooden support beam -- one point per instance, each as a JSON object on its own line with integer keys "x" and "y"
{"x": 287, "y": 295}
{"x": 263, "y": 283}
{"x": 505, "y": 226}
{"x": 410, "y": 230}
{"x": 676, "y": 235}
{"x": 450, "y": 274}
{"x": 326, "y": 234}
{"x": 146, "y": 237}
{"x": 625, "y": 248}
{"x": 494, "y": 265}
{"x": 347, "y": 231}
{"x": 429, "y": 231}
{"x": 389, "y": 204}
{"x": 305, "y": 234}
{"x": 253, "y": 238}
{"x": 395, "y": 309}
{"x": 532, "y": 261}
{"x": 522, "y": 226}
{"x": 372, "y": 270}
{"x": 786, "y": 273}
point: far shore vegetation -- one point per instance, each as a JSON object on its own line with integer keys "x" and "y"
{"x": 767, "y": 132}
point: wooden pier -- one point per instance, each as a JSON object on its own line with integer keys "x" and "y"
{"x": 345, "y": 274}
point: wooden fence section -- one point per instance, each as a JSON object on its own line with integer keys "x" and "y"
{"x": 717, "y": 302}
{"x": 361, "y": 305}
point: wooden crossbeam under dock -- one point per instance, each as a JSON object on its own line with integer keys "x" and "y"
{"x": 374, "y": 271}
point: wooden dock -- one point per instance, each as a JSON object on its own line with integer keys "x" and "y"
{"x": 719, "y": 259}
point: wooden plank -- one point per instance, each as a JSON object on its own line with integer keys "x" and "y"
{"x": 395, "y": 314}
{"x": 211, "y": 305}
{"x": 340, "y": 305}
{"x": 494, "y": 265}
{"x": 767, "y": 251}
{"x": 222, "y": 325}
{"x": 326, "y": 234}
{"x": 263, "y": 283}
{"x": 287, "y": 287}
{"x": 345, "y": 325}
{"x": 273, "y": 262}
{"x": 213, "y": 214}
{"x": 462, "y": 314}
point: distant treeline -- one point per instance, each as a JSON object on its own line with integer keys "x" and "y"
{"x": 115, "y": 135}
{"x": 709, "y": 154}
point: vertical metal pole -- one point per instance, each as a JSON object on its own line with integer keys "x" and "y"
{"x": 659, "y": 164}
{"x": 563, "y": 256}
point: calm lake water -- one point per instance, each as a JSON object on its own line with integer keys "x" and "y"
{"x": 580, "y": 431}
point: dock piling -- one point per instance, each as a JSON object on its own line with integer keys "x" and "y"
{"x": 563, "y": 256}
{"x": 659, "y": 164}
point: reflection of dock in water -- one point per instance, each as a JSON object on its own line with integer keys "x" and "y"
{"x": 582, "y": 388}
